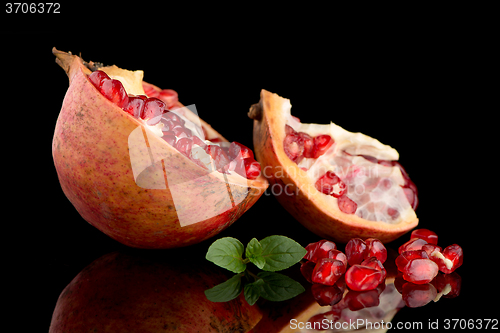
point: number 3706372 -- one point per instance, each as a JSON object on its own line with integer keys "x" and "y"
{"x": 32, "y": 8}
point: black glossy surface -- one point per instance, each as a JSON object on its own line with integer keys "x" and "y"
{"x": 417, "y": 98}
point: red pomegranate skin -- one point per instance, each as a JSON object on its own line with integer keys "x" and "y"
{"x": 131, "y": 293}
{"x": 91, "y": 155}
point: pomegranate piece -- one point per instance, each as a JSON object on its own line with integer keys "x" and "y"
{"x": 356, "y": 251}
{"x": 248, "y": 168}
{"x": 174, "y": 118}
{"x": 361, "y": 278}
{"x": 169, "y": 137}
{"x": 326, "y": 295}
{"x": 294, "y": 147}
{"x": 417, "y": 295}
{"x": 153, "y": 111}
{"x": 331, "y": 184}
{"x": 429, "y": 236}
{"x": 134, "y": 106}
{"x": 412, "y": 244}
{"x": 420, "y": 271}
{"x": 373, "y": 262}
{"x": 97, "y": 78}
{"x": 430, "y": 249}
{"x": 221, "y": 160}
{"x": 184, "y": 146}
{"x": 114, "y": 91}
{"x": 376, "y": 249}
{"x": 327, "y": 271}
{"x": 403, "y": 259}
{"x": 321, "y": 145}
{"x": 308, "y": 143}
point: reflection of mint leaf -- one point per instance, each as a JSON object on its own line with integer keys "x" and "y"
{"x": 278, "y": 287}
{"x": 254, "y": 253}
{"x": 227, "y": 252}
{"x": 252, "y": 291}
{"x": 225, "y": 291}
{"x": 280, "y": 252}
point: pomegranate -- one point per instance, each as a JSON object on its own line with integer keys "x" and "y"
{"x": 132, "y": 292}
{"x": 142, "y": 168}
{"x": 338, "y": 184}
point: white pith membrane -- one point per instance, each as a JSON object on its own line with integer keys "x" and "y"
{"x": 373, "y": 187}
{"x": 132, "y": 82}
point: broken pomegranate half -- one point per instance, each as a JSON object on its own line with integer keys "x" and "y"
{"x": 140, "y": 166}
{"x": 337, "y": 183}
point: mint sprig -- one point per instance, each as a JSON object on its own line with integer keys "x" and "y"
{"x": 271, "y": 254}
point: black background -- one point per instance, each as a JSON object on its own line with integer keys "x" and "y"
{"x": 416, "y": 85}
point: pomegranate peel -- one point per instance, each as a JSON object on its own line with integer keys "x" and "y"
{"x": 325, "y": 215}
{"x": 123, "y": 178}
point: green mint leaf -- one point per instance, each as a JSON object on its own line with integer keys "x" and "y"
{"x": 254, "y": 253}
{"x": 227, "y": 252}
{"x": 252, "y": 291}
{"x": 225, "y": 291}
{"x": 278, "y": 287}
{"x": 280, "y": 252}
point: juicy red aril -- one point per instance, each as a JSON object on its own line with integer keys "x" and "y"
{"x": 248, "y": 168}
{"x": 221, "y": 161}
{"x": 360, "y": 278}
{"x": 410, "y": 190}
{"x": 184, "y": 146}
{"x": 199, "y": 142}
{"x": 97, "y": 78}
{"x": 319, "y": 249}
{"x": 331, "y": 184}
{"x": 373, "y": 262}
{"x": 174, "y": 118}
{"x": 294, "y": 147}
{"x": 453, "y": 258}
{"x": 403, "y": 259}
{"x": 355, "y": 251}
{"x": 412, "y": 244}
{"x": 114, "y": 91}
{"x": 431, "y": 248}
{"x": 376, "y": 249}
{"x": 169, "y": 96}
{"x": 153, "y": 110}
{"x": 420, "y": 271}
{"x": 236, "y": 149}
{"x": 327, "y": 271}
{"x": 182, "y": 132}
{"x": 346, "y": 205}
{"x": 134, "y": 106}
{"x": 321, "y": 145}
{"x": 308, "y": 143}
{"x": 169, "y": 137}
{"x": 429, "y": 236}
{"x": 306, "y": 269}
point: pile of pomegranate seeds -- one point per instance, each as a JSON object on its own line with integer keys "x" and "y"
{"x": 426, "y": 272}
{"x": 176, "y": 130}
{"x": 373, "y": 189}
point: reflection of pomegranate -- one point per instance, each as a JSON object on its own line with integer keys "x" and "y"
{"x": 338, "y": 184}
{"x": 133, "y": 293}
{"x": 134, "y": 181}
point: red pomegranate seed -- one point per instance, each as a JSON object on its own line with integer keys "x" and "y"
{"x": 153, "y": 110}
{"x": 403, "y": 259}
{"x": 321, "y": 145}
{"x": 429, "y": 236}
{"x": 248, "y": 168}
{"x": 97, "y": 78}
{"x": 356, "y": 251}
{"x": 411, "y": 193}
{"x": 236, "y": 149}
{"x": 454, "y": 256}
{"x": 412, "y": 244}
{"x": 327, "y": 271}
{"x": 306, "y": 268}
{"x": 376, "y": 249}
{"x": 319, "y": 249}
{"x": 346, "y": 205}
{"x": 174, "y": 118}
{"x": 150, "y": 90}
{"x": 169, "y": 96}
{"x": 430, "y": 249}
{"x": 420, "y": 271}
{"x": 199, "y": 142}
{"x": 184, "y": 146}
{"x": 134, "y": 106}
{"x": 220, "y": 158}
{"x": 308, "y": 143}
{"x": 114, "y": 91}
{"x": 181, "y": 132}
{"x": 294, "y": 147}
{"x": 373, "y": 262}
{"x": 169, "y": 137}
{"x": 361, "y": 278}
{"x": 331, "y": 184}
